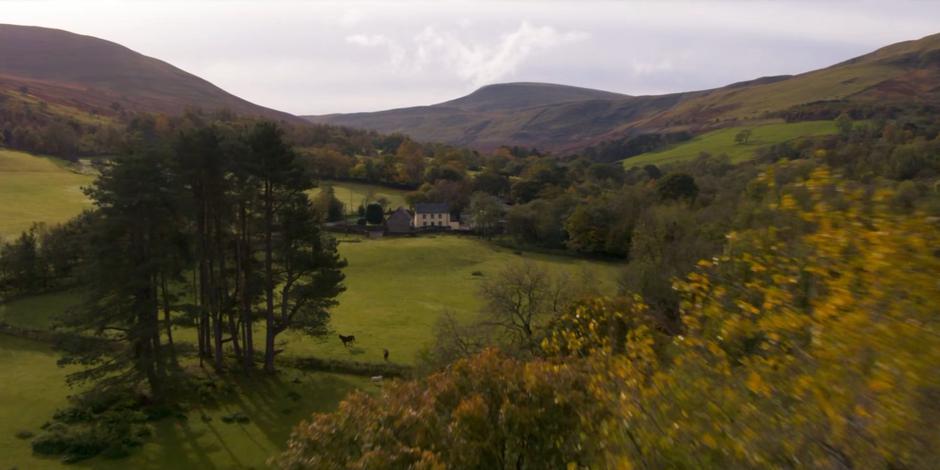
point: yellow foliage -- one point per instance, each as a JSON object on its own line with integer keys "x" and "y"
{"x": 810, "y": 348}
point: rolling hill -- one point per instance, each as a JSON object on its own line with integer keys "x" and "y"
{"x": 98, "y": 77}
{"x": 562, "y": 119}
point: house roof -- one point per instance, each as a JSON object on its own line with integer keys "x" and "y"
{"x": 401, "y": 212}
{"x": 431, "y": 208}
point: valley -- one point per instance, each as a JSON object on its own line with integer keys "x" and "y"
{"x": 533, "y": 275}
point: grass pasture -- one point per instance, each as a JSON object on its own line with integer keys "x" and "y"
{"x": 396, "y": 290}
{"x": 352, "y": 194}
{"x": 30, "y": 379}
{"x": 722, "y": 142}
{"x": 37, "y": 189}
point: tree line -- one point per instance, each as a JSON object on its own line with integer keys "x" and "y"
{"x": 211, "y": 229}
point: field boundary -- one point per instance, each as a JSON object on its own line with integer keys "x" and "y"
{"x": 362, "y": 369}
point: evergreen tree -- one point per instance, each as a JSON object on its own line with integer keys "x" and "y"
{"x": 135, "y": 234}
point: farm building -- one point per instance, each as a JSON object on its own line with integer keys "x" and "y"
{"x": 433, "y": 215}
{"x": 399, "y": 222}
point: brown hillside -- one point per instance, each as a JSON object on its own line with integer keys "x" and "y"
{"x": 93, "y": 74}
{"x": 560, "y": 118}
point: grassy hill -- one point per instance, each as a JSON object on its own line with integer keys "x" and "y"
{"x": 352, "y": 194}
{"x": 95, "y": 76}
{"x": 567, "y": 119}
{"x": 721, "y": 142}
{"x": 37, "y": 189}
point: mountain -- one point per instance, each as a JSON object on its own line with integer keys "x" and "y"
{"x": 563, "y": 118}
{"x": 97, "y": 76}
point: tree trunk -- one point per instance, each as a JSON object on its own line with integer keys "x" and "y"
{"x": 217, "y": 268}
{"x": 269, "y": 279}
{"x": 167, "y": 319}
{"x": 245, "y": 304}
{"x": 203, "y": 285}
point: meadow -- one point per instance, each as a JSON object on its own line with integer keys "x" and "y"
{"x": 396, "y": 288}
{"x": 722, "y": 142}
{"x": 37, "y": 189}
{"x": 201, "y": 440}
{"x": 353, "y": 194}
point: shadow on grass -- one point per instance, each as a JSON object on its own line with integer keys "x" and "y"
{"x": 273, "y": 404}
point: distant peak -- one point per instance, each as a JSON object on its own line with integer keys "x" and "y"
{"x": 520, "y": 95}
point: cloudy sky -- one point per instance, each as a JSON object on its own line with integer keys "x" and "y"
{"x": 318, "y": 57}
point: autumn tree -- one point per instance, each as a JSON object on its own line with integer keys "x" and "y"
{"x": 523, "y": 298}
{"x": 485, "y": 211}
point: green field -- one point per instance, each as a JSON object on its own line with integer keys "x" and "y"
{"x": 353, "y": 194}
{"x": 396, "y": 290}
{"x": 37, "y": 189}
{"x": 722, "y": 142}
{"x": 33, "y": 387}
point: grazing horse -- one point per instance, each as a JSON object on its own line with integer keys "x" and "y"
{"x": 385, "y": 354}
{"x": 347, "y": 340}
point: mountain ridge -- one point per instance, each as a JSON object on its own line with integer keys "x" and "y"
{"x": 97, "y": 75}
{"x": 907, "y": 72}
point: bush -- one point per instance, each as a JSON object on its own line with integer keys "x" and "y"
{"x": 108, "y": 424}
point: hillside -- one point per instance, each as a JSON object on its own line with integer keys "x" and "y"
{"x": 38, "y": 189}
{"x": 722, "y": 142}
{"x": 95, "y": 76}
{"x": 561, "y": 118}
{"x": 539, "y": 115}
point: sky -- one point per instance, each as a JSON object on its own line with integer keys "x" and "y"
{"x": 319, "y": 57}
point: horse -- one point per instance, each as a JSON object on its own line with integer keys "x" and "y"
{"x": 347, "y": 340}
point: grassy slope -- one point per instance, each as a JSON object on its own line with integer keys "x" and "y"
{"x": 722, "y": 142}
{"x": 89, "y": 73}
{"x": 30, "y": 379}
{"x": 355, "y": 193}
{"x": 37, "y": 189}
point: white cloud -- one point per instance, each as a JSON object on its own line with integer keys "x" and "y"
{"x": 396, "y": 53}
{"x": 473, "y": 61}
{"x": 350, "y": 17}
{"x": 641, "y": 68}
{"x": 368, "y": 40}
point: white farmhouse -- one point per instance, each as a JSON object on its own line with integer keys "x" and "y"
{"x": 433, "y": 215}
